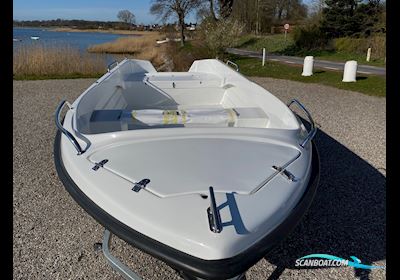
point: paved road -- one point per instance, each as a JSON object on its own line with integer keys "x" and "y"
{"x": 330, "y": 65}
{"x": 54, "y": 238}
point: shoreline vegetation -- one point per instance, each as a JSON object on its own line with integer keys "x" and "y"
{"x": 62, "y": 62}
{"x": 143, "y": 47}
{"x": 37, "y": 62}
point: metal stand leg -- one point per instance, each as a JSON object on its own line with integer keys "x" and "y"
{"x": 189, "y": 277}
{"x": 125, "y": 271}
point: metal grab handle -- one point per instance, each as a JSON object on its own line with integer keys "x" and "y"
{"x": 213, "y": 216}
{"x": 63, "y": 130}
{"x": 109, "y": 67}
{"x": 313, "y": 130}
{"x": 234, "y": 64}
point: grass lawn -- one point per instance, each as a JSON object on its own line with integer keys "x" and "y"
{"x": 341, "y": 57}
{"x": 367, "y": 84}
{"x": 271, "y": 43}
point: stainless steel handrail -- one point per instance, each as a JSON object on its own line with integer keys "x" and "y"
{"x": 234, "y": 64}
{"x": 313, "y": 130}
{"x": 216, "y": 225}
{"x": 111, "y": 64}
{"x": 63, "y": 130}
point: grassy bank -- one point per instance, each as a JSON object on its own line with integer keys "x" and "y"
{"x": 337, "y": 56}
{"x": 367, "y": 84}
{"x": 143, "y": 47}
{"x": 277, "y": 44}
{"x": 271, "y": 43}
{"x": 55, "y": 62}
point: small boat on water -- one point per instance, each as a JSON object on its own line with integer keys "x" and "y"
{"x": 35, "y": 37}
{"x": 16, "y": 40}
{"x": 204, "y": 169}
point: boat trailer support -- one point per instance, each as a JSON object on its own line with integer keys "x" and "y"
{"x": 125, "y": 271}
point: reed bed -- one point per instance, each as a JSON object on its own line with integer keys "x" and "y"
{"x": 55, "y": 61}
{"x": 143, "y": 47}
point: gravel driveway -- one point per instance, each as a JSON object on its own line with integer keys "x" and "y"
{"x": 55, "y": 239}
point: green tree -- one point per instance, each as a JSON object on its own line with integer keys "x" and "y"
{"x": 342, "y": 18}
{"x": 338, "y": 18}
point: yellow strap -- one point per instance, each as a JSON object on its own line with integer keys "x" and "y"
{"x": 183, "y": 113}
{"x": 133, "y": 114}
{"x": 165, "y": 117}
{"x": 231, "y": 116}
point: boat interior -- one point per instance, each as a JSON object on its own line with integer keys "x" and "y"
{"x": 210, "y": 94}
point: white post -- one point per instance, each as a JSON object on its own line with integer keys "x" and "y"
{"x": 308, "y": 66}
{"x": 369, "y": 54}
{"x": 263, "y": 57}
{"x": 350, "y": 71}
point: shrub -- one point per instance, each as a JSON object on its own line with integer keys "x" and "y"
{"x": 181, "y": 58}
{"x": 221, "y": 34}
{"x": 310, "y": 38}
{"x": 361, "y": 45}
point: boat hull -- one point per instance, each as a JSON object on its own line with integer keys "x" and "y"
{"x": 208, "y": 269}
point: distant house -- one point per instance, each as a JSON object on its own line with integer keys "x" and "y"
{"x": 191, "y": 27}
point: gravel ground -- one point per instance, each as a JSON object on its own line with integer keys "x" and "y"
{"x": 55, "y": 239}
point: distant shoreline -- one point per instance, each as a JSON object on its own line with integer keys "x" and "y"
{"x": 112, "y": 31}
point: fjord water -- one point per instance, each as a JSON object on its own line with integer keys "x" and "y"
{"x": 79, "y": 40}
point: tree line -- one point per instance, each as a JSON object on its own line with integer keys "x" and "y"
{"x": 74, "y": 23}
{"x": 327, "y": 18}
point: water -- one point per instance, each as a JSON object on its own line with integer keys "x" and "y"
{"x": 80, "y": 40}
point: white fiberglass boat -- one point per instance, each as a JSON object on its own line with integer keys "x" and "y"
{"x": 203, "y": 169}
{"x": 35, "y": 37}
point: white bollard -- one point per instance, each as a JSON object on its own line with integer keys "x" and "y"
{"x": 308, "y": 66}
{"x": 263, "y": 58}
{"x": 369, "y": 54}
{"x": 350, "y": 71}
